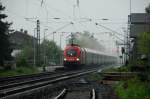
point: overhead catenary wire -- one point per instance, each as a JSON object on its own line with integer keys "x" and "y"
{"x": 114, "y": 32}
{"x": 110, "y": 29}
{"x": 50, "y": 8}
{"x": 43, "y": 3}
{"x": 59, "y": 11}
{"x": 58, "y": 29}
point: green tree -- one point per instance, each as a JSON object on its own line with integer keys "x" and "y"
{"x": 27, "y": 53}
{"x": 4, "y": 42}
{"x": 51, "y": 50}
{"x": 144, "y": 43}
{"x": 147, "y": 9}
{"x": 144, "y": 49}
{"x": 25, "y": 56}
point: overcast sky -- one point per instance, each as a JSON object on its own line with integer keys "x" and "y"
{"x": 116, "y": 11}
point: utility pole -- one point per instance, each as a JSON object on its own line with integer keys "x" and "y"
{"x": 125, "y": 46}
{"x": 45, "y": 47}
{"x": 60, "y": 49}
{"x": 54, "y": 36}
{"x": 72, "y": 38}
{"x": 74, "y": 17}
{"x": 60, "y": 40}
{"x": 129, "y": 31}
{"x": 34, "y": 44}
{"x": 38, "y": 42}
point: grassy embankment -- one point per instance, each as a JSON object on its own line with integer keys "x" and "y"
{"x": 131, "y": 89}
{"x": 135, "y": 88}
{"x": 97, "y": 76}
{"x": 18, "y": 71}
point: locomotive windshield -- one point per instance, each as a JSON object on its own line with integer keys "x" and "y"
{"x": 71, "y": 53}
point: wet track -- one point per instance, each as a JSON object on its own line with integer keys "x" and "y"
{"x": 8, "y": 89}
{"x": 85, "y": 90}
{"x": 52, "y": 84}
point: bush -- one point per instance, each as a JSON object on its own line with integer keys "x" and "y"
{"x": 22, "y": 62}
{"x": 133, "y": 89}
{"x": 95, "y": 77}
{"x": 19, "y": 71}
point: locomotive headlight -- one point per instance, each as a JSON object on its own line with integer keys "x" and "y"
{"x": 65, "y": 59}
{"x": 77, "y": 59}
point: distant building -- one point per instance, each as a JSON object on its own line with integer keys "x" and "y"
{"x": 21, "y": 38}
{"x": 139, "y": 23}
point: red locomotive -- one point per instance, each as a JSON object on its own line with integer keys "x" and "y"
{"x": 74, "y": 55}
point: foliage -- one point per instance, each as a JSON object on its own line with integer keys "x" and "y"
{"x": 25, "y": 56}
{"x": 52, "y": 51}
{"x": 94, "y": 77}
{"x": 144, "y": 43}
{"x": 133, "y": 89}
{"x": 19, "y": 71}
{"x": 117, "y": 69}
{"x": 47, "y": 48}
{"x": 144, "y": 50}
{"x": 147, "y": 9}
{"x": 5, "y": 49}
{"x": 22, "y": 61}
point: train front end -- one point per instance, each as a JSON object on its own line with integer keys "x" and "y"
{"x": 72, "y": 56}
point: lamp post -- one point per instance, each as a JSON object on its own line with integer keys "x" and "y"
{"x": 34, "y": 40}
{"x": 60, "y": 39}
{"x": 45, "y": 47}
{"x": 53, "y": 36}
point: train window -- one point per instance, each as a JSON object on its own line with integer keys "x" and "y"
{"x": 71, "y": 52}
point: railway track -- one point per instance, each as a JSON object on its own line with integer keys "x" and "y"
{"x": 21, "y": 78}
{"x": 76, "y": 94}
{"x": 12, "y": 79}
{"x": 117, "y": 76}
{"x": 19, "y": 87}
{"x": 86, "y": 91}
{"x": 17, "y": 80}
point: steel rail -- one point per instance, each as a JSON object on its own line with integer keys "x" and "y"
{"x": 30, "y": 86}
{"x": 12, "y": 79}
{"x": 20, "y": 77}
{"x": 33, "y": 80}
{"x": 93, "y": 94}
{"x": 37, "y": 79}
{"x": 61, "y": 95}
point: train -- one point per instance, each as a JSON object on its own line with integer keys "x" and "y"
{"x": 76, "y": 56}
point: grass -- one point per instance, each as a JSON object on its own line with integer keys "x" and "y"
{"x": 97, "y": 76}
{"x": 119, "y": 69}
{"x": 18, "y": 71}
{"x": 133, "y": 89}
{"x": 94, "y": 77}
{"x": 111, "y": 69}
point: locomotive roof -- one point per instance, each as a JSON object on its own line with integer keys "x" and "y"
{"x": 73, "y": 45}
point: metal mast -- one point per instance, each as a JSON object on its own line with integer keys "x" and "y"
{"x": 38, "y": 42}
